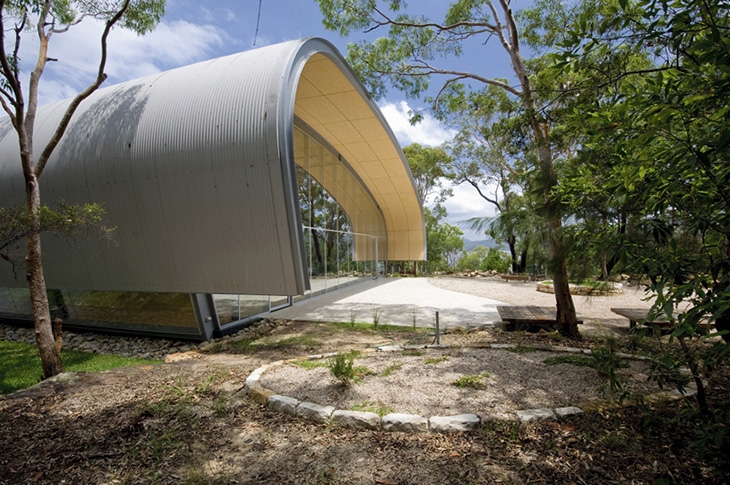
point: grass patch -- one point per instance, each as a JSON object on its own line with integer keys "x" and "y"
{"x": 381, "y": 328}
{"x": 20, "y": 366}
{"x": 251, "y": 346}
{"x": 392, "y": 368}
{"x": 436, "y": 360}
{"x": 579, "y": 360}
{"x": 412, "y": 353}
{"x": 521, "y": 349}
{"x": 371, "y": 407}
{"x": 310, "y": 364}
{"x": 475, "y": 381}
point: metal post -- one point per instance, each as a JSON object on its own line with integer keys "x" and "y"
{"x": 438, "y": 334}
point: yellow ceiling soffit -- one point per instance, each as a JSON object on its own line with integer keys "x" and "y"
{"x": 330, "y": 104}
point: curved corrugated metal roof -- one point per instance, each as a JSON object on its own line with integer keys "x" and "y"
{"x": 195, "y": 167}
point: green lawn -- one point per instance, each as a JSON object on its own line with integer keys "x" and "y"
{"x": 20, "y": 364}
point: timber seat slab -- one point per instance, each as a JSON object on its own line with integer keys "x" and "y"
{"x": 516, "y": 316}
{"x": 641, "y": 316}
{"x": 515, "y": 277}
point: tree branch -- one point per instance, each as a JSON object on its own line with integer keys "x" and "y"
{"x": 100, "y": 78}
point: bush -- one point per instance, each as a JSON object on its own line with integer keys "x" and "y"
{"x": 484, "y": 259}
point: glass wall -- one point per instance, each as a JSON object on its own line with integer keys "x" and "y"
{"x": 343, "y": 229}
{"x": 159, "y": 313}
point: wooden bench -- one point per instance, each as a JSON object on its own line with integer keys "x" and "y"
{"x": 515, "y": 277}
{"x": 640, "y": 316}
{"x": 514, "y": 317}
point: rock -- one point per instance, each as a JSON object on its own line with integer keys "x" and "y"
{"x": 530, "y": 415}
{"x": 567, "y": 411}
{"x": 355, "y": 419}
{"x": 460, "y": 422}
{"x": 261, "y": 395}
{"x": 408, "y": 423}
{"x": 315, "y": 412}
{"x": 284, "y": 404}
{"x": 500, "y": 417}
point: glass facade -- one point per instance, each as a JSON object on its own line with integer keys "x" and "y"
{"x": 332, "y": 202}
{"x": 344, "y": 234}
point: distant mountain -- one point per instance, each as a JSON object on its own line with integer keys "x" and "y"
{"x": 490, "y": 243}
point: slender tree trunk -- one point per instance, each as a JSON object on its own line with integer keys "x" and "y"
{"x": 566, "y": 318}
{"x": 512, "y": 244}
{"x": 49, "y": 352}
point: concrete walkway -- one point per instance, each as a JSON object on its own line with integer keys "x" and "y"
{"x": 396, "y": 301}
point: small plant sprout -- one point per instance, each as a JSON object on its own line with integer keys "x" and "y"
{"x": 376, "y": 317}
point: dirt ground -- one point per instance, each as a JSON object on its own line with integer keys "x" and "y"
{"x": 190, "y": 421}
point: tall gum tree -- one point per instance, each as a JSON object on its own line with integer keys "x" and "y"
{"x": 46, "y": 19}
{"x": 416, "y": 49}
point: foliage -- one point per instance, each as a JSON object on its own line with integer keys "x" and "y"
{"x": 428, "y": 166}
{"x": 658, "y": 138}
{"x": 20, "y": 366}
{"x": 608, "y": 365}
{"x": 341, "y": 366}
{"x": 484, "y": 259}
{"x": 67, "y": 220}
{"x": 343, "y": 369}
{"x": 475, "y": 381}
{"x": 444, "y": 241}
{"x": 391, "y": 368}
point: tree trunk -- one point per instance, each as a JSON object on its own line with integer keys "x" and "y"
{"x": 512, "y": 244}
{"x": 50, "y": 354}
{"x": 566, "y": 318}
{"x": 523, "y": 262}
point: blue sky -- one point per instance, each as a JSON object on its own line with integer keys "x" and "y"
{"x": 197, "y": 30}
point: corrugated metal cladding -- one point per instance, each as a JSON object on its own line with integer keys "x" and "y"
{"x": 195, "y": 168}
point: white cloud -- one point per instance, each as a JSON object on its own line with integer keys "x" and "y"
{"x": 466, "y": 204}
{"x": 429, "y": 132}
{"x": 129, "y": 55}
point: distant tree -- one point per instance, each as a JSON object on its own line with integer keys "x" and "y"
{"x": 445, "y": 242}
{"x": 46, "y": 19}
{"x": 486, "y": 156}
{"x": 428, "y": 166}
{"x": 409, "y": 57}
{"x": 484, "y": 259}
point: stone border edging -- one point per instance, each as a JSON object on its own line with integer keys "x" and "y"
{"x": 413, "y": 423}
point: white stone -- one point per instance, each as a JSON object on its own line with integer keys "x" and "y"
{"x": 460, "y": 422}
{"x": 568, "y": 411}
{"x": 315, "y": 412}
{"x": 541, "y": 414}
{"x": 355, "y": 419}
{"x": 567, "y": 350}
{"x": 390, "y": 348}
{"x": 499, "y": 417}
{"x": 409, "y": 423}
{"x": 503, "y": 346}
{"x": 284, "y": 404}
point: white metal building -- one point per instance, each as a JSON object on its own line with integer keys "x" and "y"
{"x": 202, "y": 170}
